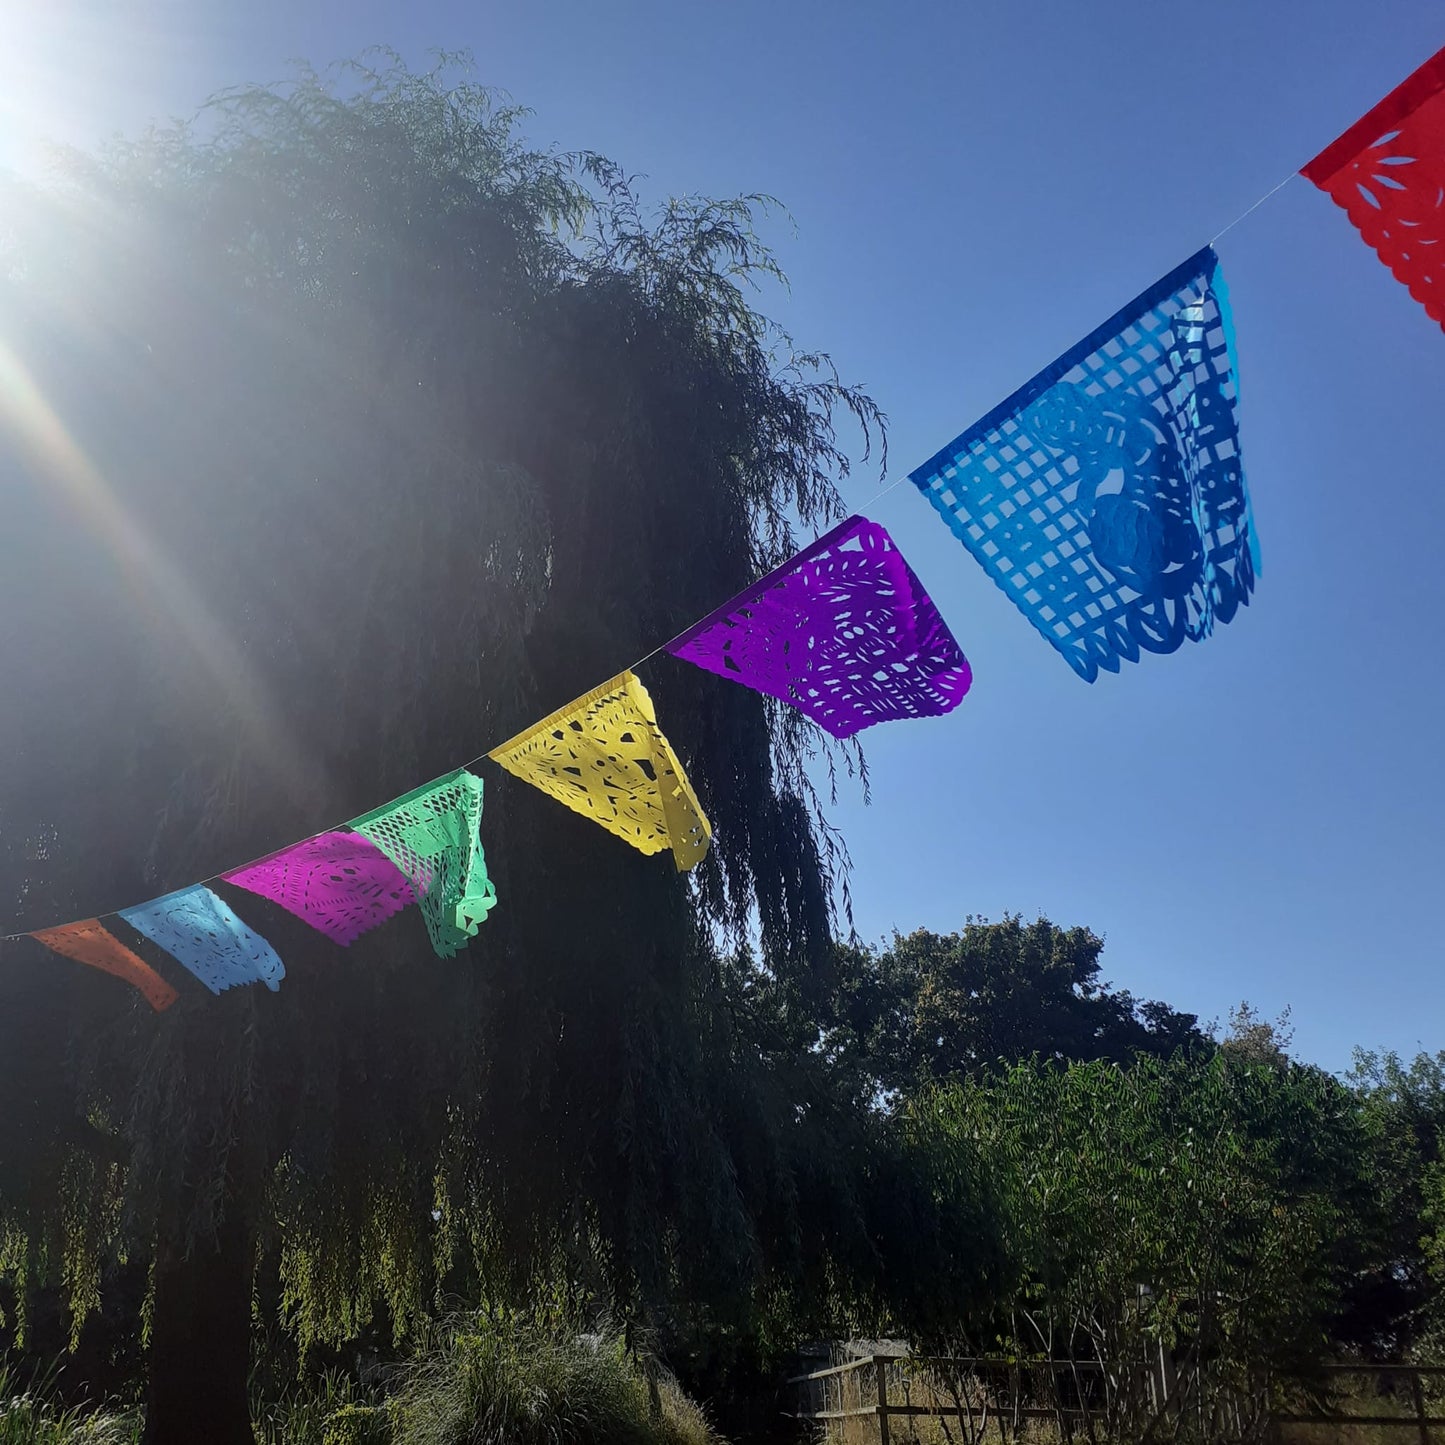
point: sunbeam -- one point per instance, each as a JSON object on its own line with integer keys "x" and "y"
{"x": 160, "y": 586}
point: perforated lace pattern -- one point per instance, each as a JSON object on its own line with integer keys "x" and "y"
{"x": 202, "y": 932}
{"x": 342, "y": 884}
{"x": 91, "y": 943}
{"x": 431, "y": 835}
{"x": 1388, "y": 173}
{"x": 1107, "y": 497}
{"x": 605, "y": 757}
{"x": 844, "y": 632}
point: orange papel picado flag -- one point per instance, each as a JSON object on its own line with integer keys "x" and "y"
{"x": 605, "y": 757}
{"x": 91, "y": 943}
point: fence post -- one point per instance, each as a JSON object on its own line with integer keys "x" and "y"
{"x": 1418, "y": 1391}
{"x": 1165, "y": 1382}
{"x": 880, "y": 1372}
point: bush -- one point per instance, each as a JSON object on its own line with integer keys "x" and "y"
{"x": 358, "y": 1425}
{"x": 1210, "y": 1212}
{"x": 517, "y": 1383}
{"x": 330, "y": 1410}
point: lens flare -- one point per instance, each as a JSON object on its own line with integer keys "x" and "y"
{"x": 74, "y": 71}
{"x": 27, "y": 415}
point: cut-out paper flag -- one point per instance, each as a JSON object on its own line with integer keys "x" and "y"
{"x": 91, "y": 943}
{"x": 431, "y": 835}
{"x": 201, "y": 931}
{"x": 605, "y": 757}
{"x": 342, "y": 884}
{"x": 1388, "y": 172}
{"x": 843, "y": 631}
{"x": 1107, "y": 496}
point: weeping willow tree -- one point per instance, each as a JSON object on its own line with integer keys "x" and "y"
{"x": 342, "y": 436}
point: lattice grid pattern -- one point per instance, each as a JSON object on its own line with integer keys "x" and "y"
{"x": 342, "y": 884}
{"x": 1107, "y": 497}
{"x": 91, "y": 943}
{"x": 202, "y": 932}
{"x": 605, "y": 757}
{"x": 431, "y": 835}
{"x": 844, "y": 632}
{"x": 1388, "y": 173}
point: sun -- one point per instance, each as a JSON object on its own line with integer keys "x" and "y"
{"x": 37, "y": 104}
{"x": 73, "y": 72}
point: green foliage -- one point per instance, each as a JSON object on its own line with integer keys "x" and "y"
{"x": 491, "y": 1382}
{"x": 27, "y": 1417}
{"x": 1397, "y": 1306}
{"x": 384, "y": 434}
{"x": 328, "y": 1411}
{"x": 862, "y": 1225}
{"x": 1202, "y": 1207}
{"x": 1254, "y": 1039}
{"x": 358, "y": 1425}
{"x": 495, "y": 1378}
{"x": 933, "y": 1007}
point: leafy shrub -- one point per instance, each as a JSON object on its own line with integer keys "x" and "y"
{"x": 518, "y": 1383}
{"x": 358, "y": 1425}
{"x": 333, "y": 1410}
{"x": 1206, "y": 1209}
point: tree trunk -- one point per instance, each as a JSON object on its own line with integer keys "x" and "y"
{"x": 200, "y": 1347}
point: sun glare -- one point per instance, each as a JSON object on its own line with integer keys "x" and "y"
{"x": 38, "y": 104}
{"x": 75, "y": 71}
{"x": 160, "y": 587}
{"x": 71, "y": 73}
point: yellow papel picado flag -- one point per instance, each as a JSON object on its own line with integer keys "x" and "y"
{"x": 605, "y": 757}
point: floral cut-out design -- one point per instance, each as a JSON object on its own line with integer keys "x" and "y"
{"x": 432, "y": 836}
{"x": 342, "y": 884}
{"x": 1388, "y": 173}
{"x": 201, "y": 931}
{"x": 605, "y": 757}
{"x": 844, "y": 632}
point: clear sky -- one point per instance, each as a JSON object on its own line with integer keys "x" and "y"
{"x": 975, "y": 186}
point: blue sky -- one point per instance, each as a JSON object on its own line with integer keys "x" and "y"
{"x": 974, "y": 187}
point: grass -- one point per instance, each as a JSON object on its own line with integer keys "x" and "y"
{"x": 522, "y": 1384}
{"x": 28, "y": 1417}
{"x": 332, "y": 1411}
{"x": 482, "y": 1383}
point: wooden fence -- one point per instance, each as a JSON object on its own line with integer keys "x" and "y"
{"x": 1007, "y": 1393}
{"x": 1411, "y": 1377}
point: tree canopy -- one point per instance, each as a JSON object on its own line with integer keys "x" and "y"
{"x": 927, "y": 1007}
{"x": 348, "y": 435}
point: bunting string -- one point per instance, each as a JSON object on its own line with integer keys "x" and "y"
{"x": 303, "y": 877}
{"x": 1106, "y": 497}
